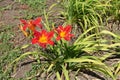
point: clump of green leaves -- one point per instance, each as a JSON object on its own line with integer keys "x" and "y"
{"x": 113, "y": 12}
{"x": 87, "y": 13}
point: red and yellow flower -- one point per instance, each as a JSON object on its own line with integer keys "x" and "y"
{"x": 31, "y": 24}
{"x": 43, "y": 38}
{"x": 64, "y": 32}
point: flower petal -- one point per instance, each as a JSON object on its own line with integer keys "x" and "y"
{"x": 24, "y": 32}
{"x": 43, "y": 45}
{"x": 25, "y": 26}
{"x": 51, "y": 42}
{"x": 69, "y": 35}
{"x": 37, "y": 21}
{"x": 44, "y": 32}
{"x": 67, "y": 29}
{"x": 23, "y": 21}
{"x": 50, "y": 34}
{"x": 67, "y": 38}
{"x": 59, "y": 29}
{"x": 34, "y": 40}
{"x": 39, "y": 25}
{"x": 58, "y": 38}
{"x": 37, "y": 34}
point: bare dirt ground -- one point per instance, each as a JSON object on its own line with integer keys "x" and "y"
{"x": 10, "y": 16}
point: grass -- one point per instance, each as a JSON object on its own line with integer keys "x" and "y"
{"x": 5, "y": 36}
{"x": 7, "y": 51}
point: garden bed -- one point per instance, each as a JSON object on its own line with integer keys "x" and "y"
{"x": 12, "y": 39}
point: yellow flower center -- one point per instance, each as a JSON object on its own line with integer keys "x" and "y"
{"x": 62, "y": 34}
{"x": 43, "y": 39}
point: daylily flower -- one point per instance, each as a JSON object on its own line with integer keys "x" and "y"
{"x": 31, "y": 24}
{"x": 43, "y": 38}
{"x": 64, "y": 32}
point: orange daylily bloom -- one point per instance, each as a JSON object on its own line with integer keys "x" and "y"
{"x": 43, "y": 38}
{"x": 64, "y": 32}
{"x": 24, "y": 32}
{"x": 31, "y": 24}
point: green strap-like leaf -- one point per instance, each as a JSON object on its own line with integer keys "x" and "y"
{"x": 83, "y": 34}
{"x": 65, "y": 72}
{"x": 58, "y": 76}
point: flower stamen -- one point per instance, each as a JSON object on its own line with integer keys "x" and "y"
{"x": 43, "y": 39}
{"x": 62, "y": 34}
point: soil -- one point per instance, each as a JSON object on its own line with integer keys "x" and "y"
{"x": 11, "y": 15}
